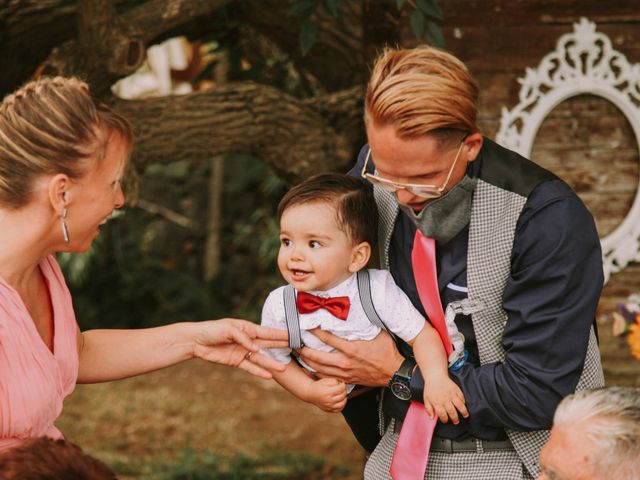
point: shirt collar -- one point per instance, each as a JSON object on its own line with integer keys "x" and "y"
{"x": 344, "y": 288}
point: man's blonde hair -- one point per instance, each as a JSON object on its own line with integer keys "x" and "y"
{"x": 52, "y": 125}
{"x": 421, "y": 90}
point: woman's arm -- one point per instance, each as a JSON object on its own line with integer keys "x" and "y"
{"x": 114, "y": 354}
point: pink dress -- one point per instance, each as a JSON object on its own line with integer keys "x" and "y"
{"x": 33, "y": 380}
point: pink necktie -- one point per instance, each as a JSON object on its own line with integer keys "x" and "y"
{"x": 412, "y": 450}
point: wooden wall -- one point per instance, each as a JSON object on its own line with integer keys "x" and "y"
{"x": 586, "y": 140}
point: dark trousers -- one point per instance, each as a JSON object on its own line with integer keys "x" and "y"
{"x": 361, "y": 414}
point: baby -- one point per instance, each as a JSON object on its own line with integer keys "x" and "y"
{"x": 328, "y": 225}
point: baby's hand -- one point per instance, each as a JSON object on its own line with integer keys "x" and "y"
{"x": 328, "y": 394}
{"x": 442, "y": 397}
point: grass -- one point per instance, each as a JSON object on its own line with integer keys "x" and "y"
{"x": 207, "y": 466}
{"x": 199, "y": 419}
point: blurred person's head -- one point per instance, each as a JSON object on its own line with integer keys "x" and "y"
{"x": 595, "y": 435}
{"x": 43, "y": 458}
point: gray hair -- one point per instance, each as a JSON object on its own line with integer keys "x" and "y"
{"x": 610, "y": 418}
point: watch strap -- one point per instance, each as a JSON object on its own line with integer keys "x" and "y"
{"x": 406, "y": 369}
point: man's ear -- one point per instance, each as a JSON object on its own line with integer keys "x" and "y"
{"x": 473, "y": 144}
{"x": 58, "y": 187}
{"x": 359, "y": 256}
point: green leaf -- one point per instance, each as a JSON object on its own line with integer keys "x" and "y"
{"x": 417, "y": 23}
{"x": 308, "y": 34}
{"x": 331, "y": 7}
{"x": 304, "y": 8}
{"x": 400, "y": 4}
{"x": 430, "y": 8}
{"x": 434, "y": 35}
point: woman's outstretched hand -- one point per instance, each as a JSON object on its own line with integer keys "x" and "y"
{"x": 236, "y": 343}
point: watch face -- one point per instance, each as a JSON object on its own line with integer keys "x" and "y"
{"x": 401, "y": 390}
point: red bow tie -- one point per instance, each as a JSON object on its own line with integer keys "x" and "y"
{"x": 336, "y": 306}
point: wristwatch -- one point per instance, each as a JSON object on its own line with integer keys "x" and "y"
{"x": 400, "y": 381}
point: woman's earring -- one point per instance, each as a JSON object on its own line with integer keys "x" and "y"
{"x": 65, "y": 230}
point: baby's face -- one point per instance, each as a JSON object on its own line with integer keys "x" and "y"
{"x": 315, "y": 254}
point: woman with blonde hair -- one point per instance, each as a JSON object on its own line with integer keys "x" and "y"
{"x": 62, "y": 158}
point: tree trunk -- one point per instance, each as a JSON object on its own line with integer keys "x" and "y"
{"x": 215, "y": 189}
{"x": 214, "y": 219}
{"x": 28, "y": 32}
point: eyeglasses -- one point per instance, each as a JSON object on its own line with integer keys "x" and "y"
{"x": 423, "y": 191}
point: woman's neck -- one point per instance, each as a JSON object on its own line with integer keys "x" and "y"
{"x": 25, "y": 239}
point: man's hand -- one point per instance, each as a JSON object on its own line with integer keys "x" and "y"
{"x": 328, "y": 394}
{"x": 363, "y": 362}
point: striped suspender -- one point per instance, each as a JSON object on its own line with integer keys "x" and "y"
{"x": 291, "y": 316}
{"x": 364, "y": 291}
{"x": 291, "y": 311}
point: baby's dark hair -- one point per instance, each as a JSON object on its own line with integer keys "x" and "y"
{"x": 356, "y": 211}
{"x": 43, "y": 458}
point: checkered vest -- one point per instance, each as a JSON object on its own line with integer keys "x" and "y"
{"x": 501, "y": 192}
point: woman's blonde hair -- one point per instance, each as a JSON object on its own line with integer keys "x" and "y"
{"x": 421, "y": 90}
{"x": 52, "y": 125}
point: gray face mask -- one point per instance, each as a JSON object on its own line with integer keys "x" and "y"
{"x": 444, "y": 218}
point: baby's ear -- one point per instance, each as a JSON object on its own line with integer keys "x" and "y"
{"x": 359, "y": 256}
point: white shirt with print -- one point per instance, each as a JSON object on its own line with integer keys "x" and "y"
{"x": 391, "y": 303}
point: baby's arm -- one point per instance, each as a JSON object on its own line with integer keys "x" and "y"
{"x": 328, "y": 394}
{"x": 442, "y": 396}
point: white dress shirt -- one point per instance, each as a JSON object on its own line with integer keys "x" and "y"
{"x": 392, "y": 305}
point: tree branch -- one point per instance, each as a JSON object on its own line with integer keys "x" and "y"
{"x": 21, "y": 49}
{"x": 165, "y": 212}
{"x": 294, "y": 137}
{"x": 118, "y": 49}
{"x": 159, "y": 19}
{"x": 102, "y": 33}
{"x": 108, "y": 47}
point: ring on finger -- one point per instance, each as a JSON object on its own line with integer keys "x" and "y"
{"x": 248, "y": 356}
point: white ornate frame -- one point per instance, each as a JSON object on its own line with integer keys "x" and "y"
{"x": 583, "y": 63}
